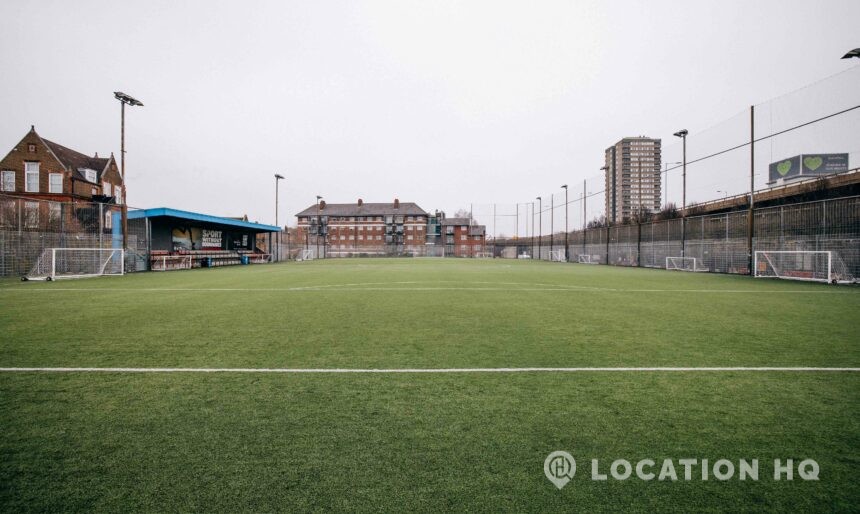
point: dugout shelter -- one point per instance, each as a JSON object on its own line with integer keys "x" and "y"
{"x": 179, "y": 239}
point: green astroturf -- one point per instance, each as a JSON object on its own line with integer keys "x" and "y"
{"x": 195, "y": 442}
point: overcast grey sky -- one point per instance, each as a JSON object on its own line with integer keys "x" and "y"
{"x": 441, "y": 103}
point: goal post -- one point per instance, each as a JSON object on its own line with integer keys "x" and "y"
{"x": 557, "y": 255}
{"x": 57, "y": 263}
{"x": 305, "y": 255}
{"x": 684, "y": 264}
{"x": 809, "y": 265}
{"x": 585, "y": 258}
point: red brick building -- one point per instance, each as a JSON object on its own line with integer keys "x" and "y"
{"x": 367, "y": 228}
{"x": 463, "y": 239}
{"x": 45, "y": 170}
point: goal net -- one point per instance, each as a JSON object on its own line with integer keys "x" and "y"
{"x": 819, "y": 266}
{"x": 56, "y": 263}
{"x": 585, "y": 258}
{"x": 170, "y": 262}
{"x": 684, "y": 264}
{"x": 305, "y": 255}
{"x": 557, "y": 255}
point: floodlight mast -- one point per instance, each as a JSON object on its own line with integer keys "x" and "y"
{"x": 124, "y": 100}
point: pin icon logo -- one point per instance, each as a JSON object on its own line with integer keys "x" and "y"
{"x": 559, "y": 467}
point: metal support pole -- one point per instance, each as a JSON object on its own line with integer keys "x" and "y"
{"x": 566, "y": 240}
{"x": 122, "y": 168}
{"x": 684, "y": 197}
{"x": 551, "y": 222}
{"x": 540, "y": 228}
{"x": 751, "y": 214}
{"x": 533, "y": 229}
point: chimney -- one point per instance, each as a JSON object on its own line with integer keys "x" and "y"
{"x": 322, "y": 205}
{"x": 360, "y": 202}
{"x": 396, "y": 203}
{"x": 96, "y": 156}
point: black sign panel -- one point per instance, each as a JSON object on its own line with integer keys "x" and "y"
{"x": 824, "y": 163}
{"x": 785, "y": 169}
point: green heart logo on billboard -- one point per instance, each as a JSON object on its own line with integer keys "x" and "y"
{"x": 783, "y": 167}
{"x": 812, "y": 163}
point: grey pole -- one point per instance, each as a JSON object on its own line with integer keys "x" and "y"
{"x": 751, "y": 214}
{"x": 540, "y": 226}
{"x": 566, "y": 240}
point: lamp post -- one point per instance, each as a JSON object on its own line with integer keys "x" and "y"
{"x": 278, "y": 178}
{"x": 683, "y": 135}
{"x": 566, "y": 256}
{"x": 123, "y": 100}
{"x": 533, "y": 229}
{"x": 604, "y": 169}
{"x": 551, "y": 223}
{"x": 540, "y": 225}
{"x": 666, "y": 181}
{"x": 319, "y": 226}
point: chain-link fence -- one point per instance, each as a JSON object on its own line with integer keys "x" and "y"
{"x": 28, "y": 226}
{"x": 720, "y": 243}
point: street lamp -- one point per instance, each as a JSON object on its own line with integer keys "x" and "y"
{"x": 123, "y": 100}
{"x": 683, "y": 135}
{"x": 540, "y": 225}
{"x": 566, "y": 256}
{"x": 604, "y": 169}
{"x": 319, "y": 227}
{"x": 278, "y": 177}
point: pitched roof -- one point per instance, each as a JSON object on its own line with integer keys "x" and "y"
{"x": 365, "y": 209}
{"x": 75, "y": 160}
{"x": 456, "y": 221}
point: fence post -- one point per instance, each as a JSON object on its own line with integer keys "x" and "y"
{"x": 639, "y": 245}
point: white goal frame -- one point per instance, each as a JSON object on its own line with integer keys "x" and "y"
{"x": 305, "y": 255}
{"x": 586, "y": 258}
{"x": 181, "y": 261}
{"x": 672, "y": 264}
{"x": 836, "y": 271}
{"x": 46, "y": 265}
{"x": 557, "y": 255}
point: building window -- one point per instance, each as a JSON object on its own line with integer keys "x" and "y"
{"x": 31, "y": 214}
{"x": 108, "y": 220}
{"x": 54, "y": 212}
{"x": 106, "y": 188}
{"x": 31, "y": 172}
{"x": 90, "y": 175}
{"x": 31, "y": 148}
{"x": 55, "y": 183}
{"x": 8, "y": 183}
{"x": 462, "y": 237}
{"x": 409, "y": 237}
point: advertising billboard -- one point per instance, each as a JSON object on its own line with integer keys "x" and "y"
{"x": 807, "y": 165}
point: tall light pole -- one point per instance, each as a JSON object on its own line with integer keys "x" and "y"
{"x": 278, "y": 178}
{"x": 551, "y": 222}
{"x": 319, "y": 227}
{"x": 533, "y": 229}
{"x": 683, "y": 135}
{"x": 540, "y": 225}
{"x": 666, "y": 181}
{"x": 566, "y": 253}
{"x": 123, "y": 100}
{"x": 609, "y": 218}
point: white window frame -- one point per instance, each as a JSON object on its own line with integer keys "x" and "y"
{"x": 51, "y": 177}
{"x": 28, "y": 171}
{"x": 108, "y": 220}
{"x": 106, "y": 189}
{"x": 5, "y": 182}
{"x": 54, "y": 211}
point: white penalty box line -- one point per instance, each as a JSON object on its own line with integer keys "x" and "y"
{"x": 424, "y": 370}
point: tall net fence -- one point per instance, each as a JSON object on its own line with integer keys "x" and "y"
{"x": 28, "y": 226}
{"x": 720, "y": 243}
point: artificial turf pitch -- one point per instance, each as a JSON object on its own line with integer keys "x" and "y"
{"x": 476, "y": 441}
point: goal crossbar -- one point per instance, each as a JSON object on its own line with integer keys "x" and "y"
{"x": 806, "y": 265}
{"x": 57, "y": 263}
{"x": 684, "y": 264}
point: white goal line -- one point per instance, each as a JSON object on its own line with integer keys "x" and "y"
{"x": 427, "y": 370}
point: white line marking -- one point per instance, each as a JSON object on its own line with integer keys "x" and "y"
{"x": 425, "y": 370}
{"x": 351, "y": 288}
